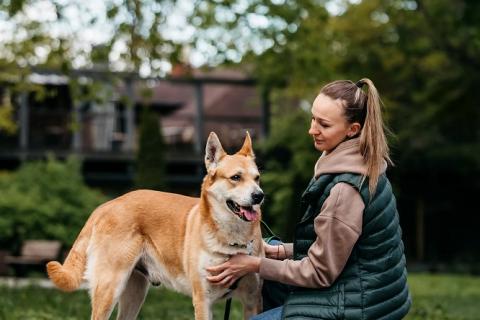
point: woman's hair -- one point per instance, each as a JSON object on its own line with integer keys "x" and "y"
{"x": 364, "y": 108}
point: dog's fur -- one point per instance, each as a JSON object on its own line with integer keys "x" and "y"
{"x": 154, "y": 237}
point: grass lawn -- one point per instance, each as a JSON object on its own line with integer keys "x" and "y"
{"x": 444, "y": 297}
{"x": 435, "y": 297}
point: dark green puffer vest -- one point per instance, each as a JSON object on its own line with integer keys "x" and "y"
{"x": 373, "y": 284}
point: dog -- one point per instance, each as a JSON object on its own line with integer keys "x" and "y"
{"x": 148, "y": 236}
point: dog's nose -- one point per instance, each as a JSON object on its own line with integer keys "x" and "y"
{"x": 257, "y": 197}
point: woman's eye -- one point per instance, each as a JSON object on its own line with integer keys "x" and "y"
{"x": 235, "y": 177}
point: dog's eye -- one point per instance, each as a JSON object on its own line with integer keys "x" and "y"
{"x": 257, "y": 178}
{"x": 235, "y": 177}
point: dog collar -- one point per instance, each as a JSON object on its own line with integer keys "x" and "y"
{"x": 248, "y": 246}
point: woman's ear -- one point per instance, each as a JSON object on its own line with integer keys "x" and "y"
{"x": 354, "y": 129}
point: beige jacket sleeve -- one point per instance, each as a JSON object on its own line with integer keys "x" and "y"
{"x": 338, "y": 227}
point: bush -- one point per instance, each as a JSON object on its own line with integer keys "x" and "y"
{"x": 44, "y": 200}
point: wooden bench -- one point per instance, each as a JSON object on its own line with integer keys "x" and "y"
{"x": 34, "y": 253}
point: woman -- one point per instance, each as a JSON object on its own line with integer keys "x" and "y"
{"x": 347, "y": 259}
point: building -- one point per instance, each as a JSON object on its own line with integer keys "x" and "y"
{"x": 102, "y": 126}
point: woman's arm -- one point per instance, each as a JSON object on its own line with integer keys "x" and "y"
{"x": 338, "y": 227}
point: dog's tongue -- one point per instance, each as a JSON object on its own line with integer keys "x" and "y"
{"x": 250, "y": 215}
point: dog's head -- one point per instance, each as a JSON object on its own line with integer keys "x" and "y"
{"x": 232, "y": 181}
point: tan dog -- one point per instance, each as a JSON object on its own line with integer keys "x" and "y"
{"x": 154, "y": 237}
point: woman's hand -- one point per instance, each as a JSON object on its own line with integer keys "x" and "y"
{"x": 237, "y": 266}
{"x": 274, "y": 252}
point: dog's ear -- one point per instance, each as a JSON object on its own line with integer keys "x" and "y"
{"x": 213, "y": 152}
{"x": 247, "y": 149}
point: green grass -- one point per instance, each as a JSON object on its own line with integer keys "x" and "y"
{"x": 444, "y": 297}
{"x": 34, "y": 303}
{"x": 435, "y": 297}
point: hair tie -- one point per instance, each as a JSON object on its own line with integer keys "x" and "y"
{"x": 359, "y": 84}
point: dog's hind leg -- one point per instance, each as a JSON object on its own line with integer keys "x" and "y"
{"x": 132, "y": 298}
{"x": 109, "y": 268}
{"x": 106, "y": 291}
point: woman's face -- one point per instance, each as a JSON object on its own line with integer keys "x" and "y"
{"x": 329, "y": 126}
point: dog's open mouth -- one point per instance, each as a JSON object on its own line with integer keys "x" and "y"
{"x": 246, "y": 213}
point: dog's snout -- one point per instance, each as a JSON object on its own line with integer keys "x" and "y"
{"x": 257, "y": 197}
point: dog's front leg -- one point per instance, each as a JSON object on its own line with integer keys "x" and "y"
{"x": 250, "y": 293}
{"x": 200, "y": 302}
{"x": 252, "y": 306}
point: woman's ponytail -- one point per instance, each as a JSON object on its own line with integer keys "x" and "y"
{"x": 373, "y": 143}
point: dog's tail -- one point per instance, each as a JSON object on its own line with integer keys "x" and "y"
{"x": 68, "y": 277}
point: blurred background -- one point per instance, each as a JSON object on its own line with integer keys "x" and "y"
{"x": 98, "y": 98}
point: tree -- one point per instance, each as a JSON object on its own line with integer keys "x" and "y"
{"x": 150, "y": 164}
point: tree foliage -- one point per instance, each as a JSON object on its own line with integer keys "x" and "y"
{"x": 133, "y": 34}
{"x": 150, "y": 171}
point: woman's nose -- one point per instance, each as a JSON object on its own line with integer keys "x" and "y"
{"x": 313, "y": 130}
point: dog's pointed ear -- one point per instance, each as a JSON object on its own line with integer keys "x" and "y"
{"x": 247, "y": 149}
{"x": 213, "y": 152}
